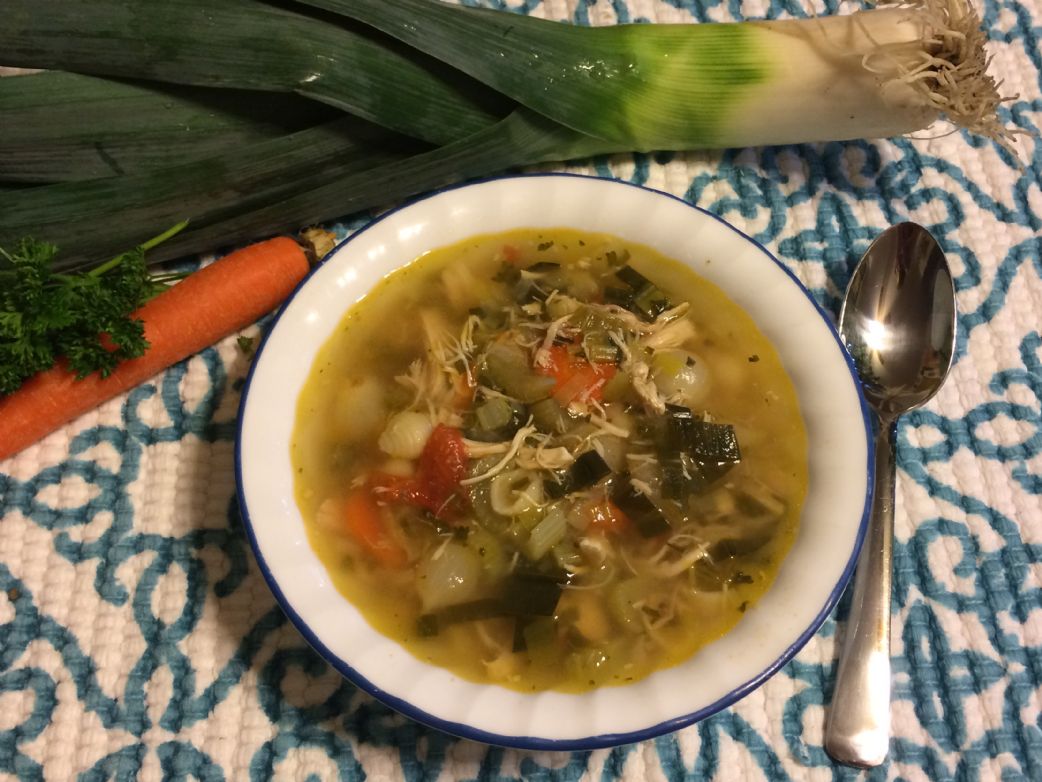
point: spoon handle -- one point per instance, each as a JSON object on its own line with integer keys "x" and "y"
{"x": 858, "y": 729}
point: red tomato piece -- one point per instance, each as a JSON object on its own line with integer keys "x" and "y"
{"x": 443, "y": 463}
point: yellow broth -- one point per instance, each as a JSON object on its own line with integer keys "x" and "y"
{"x": 601, "y": 633}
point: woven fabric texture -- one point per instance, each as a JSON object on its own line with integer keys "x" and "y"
{"x": 139, "y": 641}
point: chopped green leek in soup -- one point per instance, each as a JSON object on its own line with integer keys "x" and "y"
{"x": 549, "y": 460}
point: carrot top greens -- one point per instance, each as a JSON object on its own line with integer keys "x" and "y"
{"x": 87, "y": 317}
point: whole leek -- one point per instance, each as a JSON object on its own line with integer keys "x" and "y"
{"x": 492, "y": 90}
{"x": 876, "y": 73}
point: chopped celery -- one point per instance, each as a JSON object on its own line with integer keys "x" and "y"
{"x": 530, "y": 517}
{"x": 590, "y": 319}
{"x": 550, "y": 417}
{"x": 548, "y": 532}
{"x": 566, "y": 554}
{"x": 619, "y": 389}
{"x": 507, "y": 368}
{"x": 497, "y": 419}
{"x": 494, "y": 413}
{"x": 599, "y": 348}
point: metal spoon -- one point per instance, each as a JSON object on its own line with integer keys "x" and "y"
{"x": 898, "y": 322}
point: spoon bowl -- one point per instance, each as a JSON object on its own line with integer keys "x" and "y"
{"x": 898, "y": 323}
{"x": 898, "y": 319}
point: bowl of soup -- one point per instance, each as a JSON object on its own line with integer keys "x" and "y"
{"x": 554, "y": 462}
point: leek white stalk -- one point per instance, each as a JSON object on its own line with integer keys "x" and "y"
{"x": 872, "y": 74}
{"x": 882, "y": 72}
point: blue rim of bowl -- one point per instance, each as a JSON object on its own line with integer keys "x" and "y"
{"x": 599, "y": 741}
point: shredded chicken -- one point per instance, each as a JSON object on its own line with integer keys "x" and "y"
{"x": 672, "y": 335}
{"x": 640, "y": 377}
{"x": 497, "y": 468}
{"x": 606, "y": 427}
{"x": 542, "y": 458}
{"x": 478, "y": 450}
{"x": 542, "y": 355}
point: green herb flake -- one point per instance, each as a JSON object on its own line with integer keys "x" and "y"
{"x": 245, "y": 344}
{"x": 544, "y": 246}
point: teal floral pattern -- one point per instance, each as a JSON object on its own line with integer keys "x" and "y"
{"x": 139, "y": 641}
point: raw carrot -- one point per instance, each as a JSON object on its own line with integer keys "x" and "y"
{"x": 215, "y": 301}
{"x": 364, "y": 522}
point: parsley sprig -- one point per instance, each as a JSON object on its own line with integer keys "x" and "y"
{"x": 84, "y": 317}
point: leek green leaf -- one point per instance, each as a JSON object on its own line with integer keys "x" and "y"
{"x": 92, "y": 219}
{"x": 640, "y": 87}
{"x": 522, "y": 138}
{"x": 66, "y": 126}
{"x": 249, "y": 45}
{"x": 256, "y": 192}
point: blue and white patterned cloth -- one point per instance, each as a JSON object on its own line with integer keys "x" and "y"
{"x": 138, "y": 640}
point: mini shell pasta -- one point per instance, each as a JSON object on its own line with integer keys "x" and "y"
{"x": 586, "y": 465}
{"x": 406, "y": 434}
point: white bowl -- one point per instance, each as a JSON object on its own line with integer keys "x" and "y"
{"x": 769, "y": 634}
